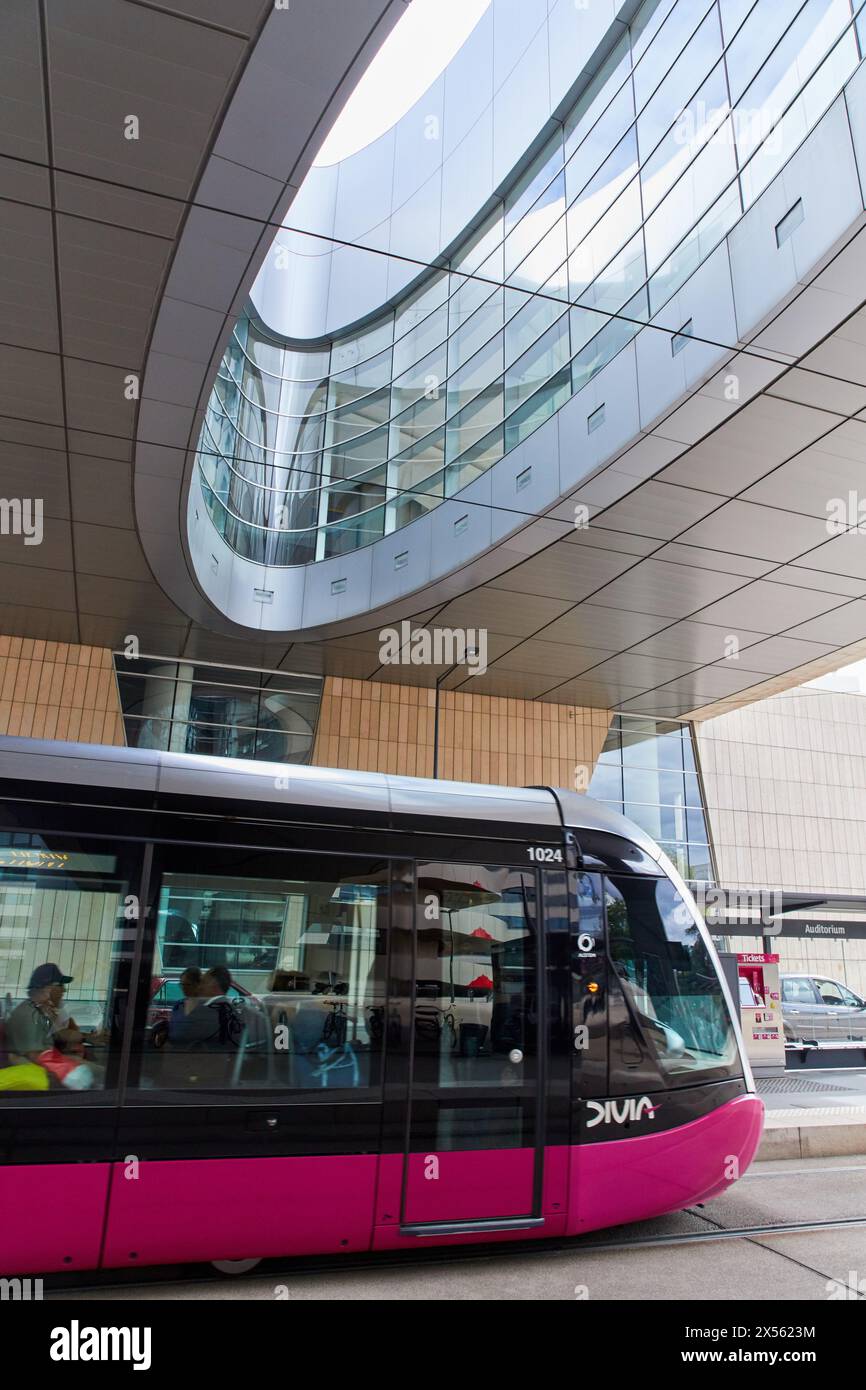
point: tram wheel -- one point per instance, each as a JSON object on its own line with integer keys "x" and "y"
{"x": 235, "y": 1267}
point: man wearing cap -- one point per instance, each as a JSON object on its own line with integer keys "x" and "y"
{"x": 38, "y": 1022}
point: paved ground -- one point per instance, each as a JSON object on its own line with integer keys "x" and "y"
{"x": 811, "y": 1265}
{"x": 814, "y": 1091}
{"x": 814, "y": 1113}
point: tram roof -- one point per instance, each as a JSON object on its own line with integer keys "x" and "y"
{"x": 155, "y": 772}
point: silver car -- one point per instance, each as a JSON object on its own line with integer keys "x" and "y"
{"x": 818, "y": 1009}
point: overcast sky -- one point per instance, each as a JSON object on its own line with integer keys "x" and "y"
{"x": 413, "y": 55}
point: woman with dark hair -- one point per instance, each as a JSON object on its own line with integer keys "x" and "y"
{"x": 190, "y": 984}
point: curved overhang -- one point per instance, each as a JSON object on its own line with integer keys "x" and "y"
{"x": 707, "y": 575}
{"x": 306, "y": 59}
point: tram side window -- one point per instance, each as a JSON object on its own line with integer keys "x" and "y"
{"x": 475, "y": 986}
{"x": 61, "y": 925}
{"x": 274, "y": 979}
{"x": 667, "y": 977}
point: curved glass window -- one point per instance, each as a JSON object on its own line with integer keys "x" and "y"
{"x": 670, "y": 985}
{"x": 308, "y": 453}
{"x": 647, "y": 771}
{"x": 185, "y": 707}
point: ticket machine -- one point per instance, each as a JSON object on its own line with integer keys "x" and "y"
{"x": 761, "y": 1009}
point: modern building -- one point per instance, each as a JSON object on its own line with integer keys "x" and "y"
{"x": 526, "y": 444}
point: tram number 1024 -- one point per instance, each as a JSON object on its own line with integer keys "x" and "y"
{"x": 540, "y": 854}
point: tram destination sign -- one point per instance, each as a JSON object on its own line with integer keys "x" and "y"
{"x": 25, "y": 857}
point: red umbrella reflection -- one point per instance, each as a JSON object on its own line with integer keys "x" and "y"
{"x": 481, "y": 982}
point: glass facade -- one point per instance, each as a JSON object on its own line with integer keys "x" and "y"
{"x": 185, "y": 707}
{"x": 647, "y": 771}
{"x": 305, "y": 455}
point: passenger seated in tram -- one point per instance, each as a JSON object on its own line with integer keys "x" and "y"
{"x": 40, "y": 1020}
{"x": 211, "y": 1023}
{"x": 190, "y": 984}
{"x": 39, "y": 1030}
{"x": 222, "y": 1040}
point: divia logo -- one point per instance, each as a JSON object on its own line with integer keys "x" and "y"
{"x": 620, "y": 1112}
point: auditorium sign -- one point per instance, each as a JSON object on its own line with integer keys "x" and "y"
{"x": 814, "y": 929}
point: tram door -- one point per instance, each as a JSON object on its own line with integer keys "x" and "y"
{"x": 473, "y": 1153}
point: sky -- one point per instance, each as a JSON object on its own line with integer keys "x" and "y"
{"x": 849, "y": 679}
{"x": 413, "y": 55}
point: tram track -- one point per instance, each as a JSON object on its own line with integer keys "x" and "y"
{"x": 781, "y": 1228}
{"x": 164, "y": 1280}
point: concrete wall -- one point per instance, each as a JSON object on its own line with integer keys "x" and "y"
{"x": 785, "y": 782}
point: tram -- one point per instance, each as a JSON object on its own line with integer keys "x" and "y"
{"x": 250, "y": 1010}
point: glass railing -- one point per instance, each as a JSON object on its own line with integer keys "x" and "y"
{"x": 221, "y": 711}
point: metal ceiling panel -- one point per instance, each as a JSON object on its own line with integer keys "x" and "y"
{"x": 610, "y": 628}
{"x": 639, "y": 669}
{"x": 700, "y": 643}
{"x": 672, "y": 591}
{"x": 556, "y": 658}
{"x": 598, "y": 535}
{"x": 33, "y": 586}
{"x": 721, "y": 560}
{"x": 660, "y": 510}
{"x": 565, "y": 571}
{"x": 842, "y": 626}
{"x": 777, "y": 654}
{"x": 768, "y": 607}
{"x": 763, "y": 434}
{"x": 502, "y": 610}
{"x": 22, "y": 114}
{"x": 745, "y": 528}
{"x": 842, "y": 555}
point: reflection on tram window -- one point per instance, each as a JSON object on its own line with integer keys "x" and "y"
{"x": 670, "y": 985}
{"x": 61, "y": 913}
{"x": 268, "y": 982}
{"x": 475, "y": 980}
{"x": 589, "y": 1034}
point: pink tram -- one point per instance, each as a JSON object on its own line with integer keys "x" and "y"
{"x": 250, "y": 1010}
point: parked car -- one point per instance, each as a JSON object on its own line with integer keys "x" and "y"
{"x": 818, "y": 1009}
